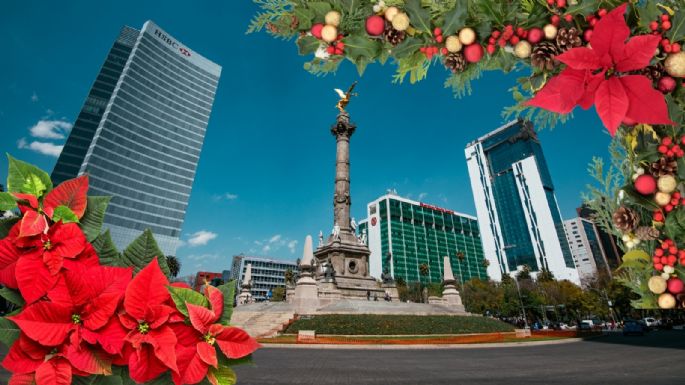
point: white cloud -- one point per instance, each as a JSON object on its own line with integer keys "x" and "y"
{"x": 44, "y": 148}
{"x": 225, "y": 197}
{"x": 275, "y": 238}
{"x": 422, "y": 195}
{"x": 266, "y": 249}
{"x": 292, "y": 245}
{"x": 51, "y": 129}
{"x": 201, "y": 238}
{"x": 34, "y": 97}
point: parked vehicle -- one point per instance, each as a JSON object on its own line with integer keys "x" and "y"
{"x": 585, "y": 325}
{"x": 634, "y": 328}
{"x": 651, "y": 322}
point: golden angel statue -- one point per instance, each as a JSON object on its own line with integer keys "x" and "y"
{"x": 344, "y": 97}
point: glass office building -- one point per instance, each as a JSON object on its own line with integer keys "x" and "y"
{"x": 517, "y": 210}
{"x": 588, "y": 253}
{"x": 140, "y": 133}
{"x": 267, "y": 274}
{"x": 403, "y": 234}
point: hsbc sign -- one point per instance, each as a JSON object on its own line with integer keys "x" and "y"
{"x": 172, "y": 43}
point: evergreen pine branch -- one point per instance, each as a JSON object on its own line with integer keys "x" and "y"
{"x": 271, "y": 11}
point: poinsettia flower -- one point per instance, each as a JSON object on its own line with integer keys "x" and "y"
{"x": 196, "y": 348}
{"x": 602, "y": 75}
{"x": 33, "y": 364}
{"x": 150, "y": 348}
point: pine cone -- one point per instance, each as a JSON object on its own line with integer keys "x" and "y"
{"x": 568, "y": 38}
{"x": 663, "y": 166}
{"x": 625, "y": 219}
{"x": 543, "y": 55}
{"x": 647, "y": 233}
{"x": 654, "y": 73}
{"x": 393, "y": 36}
{"x": 455, "y": 61}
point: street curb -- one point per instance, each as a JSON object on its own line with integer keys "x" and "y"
{"x": 420, "y": 347}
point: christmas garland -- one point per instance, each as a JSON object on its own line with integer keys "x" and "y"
{"x": 625, "y": 59}
{"x": 88, "y": 314}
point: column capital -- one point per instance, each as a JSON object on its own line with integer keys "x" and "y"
{"x": 343, "y": 126}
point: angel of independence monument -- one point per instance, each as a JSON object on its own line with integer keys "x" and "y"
{"x": 343, "y": 259}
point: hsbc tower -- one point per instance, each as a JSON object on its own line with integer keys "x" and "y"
{"x": 140, "y": 132}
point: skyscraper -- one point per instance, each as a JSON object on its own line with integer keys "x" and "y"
{"x": 587, "y": 250}
{"x": 140, "y": 133}
{"x": 403, "y": 235}
{"x": 518, "y": 215}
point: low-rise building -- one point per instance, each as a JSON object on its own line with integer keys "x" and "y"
{"x": 267, "y": 274}
{"x": 587, "y": 250}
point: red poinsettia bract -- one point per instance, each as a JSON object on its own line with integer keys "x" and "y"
{"x": 34, "y": 364}
{"x": 150, "y": 349}
{"x": 196, "y": 347}
{"x": 601, "y": 75}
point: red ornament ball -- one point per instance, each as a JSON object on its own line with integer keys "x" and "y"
{"x": 473, "y": 53}
{"x": 667, "y": 84}
{"x": 375, "y": 25}
{"x": 645, "y": 184}
{"x": 535, "y": 35}
{"x": 675, "y": 285}
{"x": 316, "y": 30}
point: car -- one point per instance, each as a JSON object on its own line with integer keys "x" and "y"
{"x": 585, "y": 325}
{"x": 634, "y": 328}
{"x": 651, "y": 322}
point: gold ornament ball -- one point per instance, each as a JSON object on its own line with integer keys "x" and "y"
{"x": 333, "y": 18}
{"x": 453, "y": 44}
{"x": 523, "y": 49}
{"x": 467, "y": 36}
{"x": 401, "y": 21}
{"x": 329, "y": 33}
{"x": 675, "y": 64}
{"x": 666, "y": 301}
{"x": 550, "y": 31}
{"x": 667, "y": 183}
{"x": 662, "y": 198}
{"x": 657, "y": 284}
{"x": 390, "y": 13}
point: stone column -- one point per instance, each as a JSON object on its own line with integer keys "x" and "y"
{"x": 306, "y": 298}
{"x": 245, "y": 295}
{"x": 450, "y": 295}
{"x": 342, "y": 130}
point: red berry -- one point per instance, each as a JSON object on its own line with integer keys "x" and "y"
{"x": 672, "y": 249}
{"x": 676, "y": 195}
{"x": 589, "y": 17}
{"x": 568, "y": 17}
{"x": 658, "y": 216}
{"x": 666, "y": 25}
{"x": 659, "y": 253}
{"x": 492, "y": 40}
{"x": 664, "y": 260}
{"x": 555, "y": 19}
{"x": 340, "y": 45}
{"x": 437, "y": 31}
{"x": 495, "y": 34}
{"x": 674, "y": 202}
{"x": 672, "y": 259}
{"x": 340, "y": 36}
{"x": 656, "y": 259}
{"x": 514, "y": 40}
{"x": 668, "y": 48}
{"x": 438, "y": 38}
{"x": 654, "y": 26}
{"x": 662, "y": 149}
{"x": 669, "y": 154}
{"x": 561, "y": 3}
{"x": 491, "y": 49}
{"x": 535, "y": 35}
{"x": 658, "y": 266}
{"x": 664, "y": 17}
{"x": 667, "y": 85}
{"x": 330, "y": 49}
{"x": 676, "y": 148}
{"x": 668, "y": 208}
{"x": 550, "y": 2}
{"x": 602, "y": 12}
{"x": 338, "y": 51}
{"x": 443, "y": 51}
{"x": 501, "y": 42}
{"x": 664, "y": 42}
{"x": 509, "y": 28}
{"x": 520, "y": 31}
{"x": 667, "y": 141}
{"x": 593, "y": 22}
{"x": 675, "y": 48}
{"x": 587, "y": 35}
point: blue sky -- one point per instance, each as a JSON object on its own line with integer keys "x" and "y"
{"x": 265, "y": 178}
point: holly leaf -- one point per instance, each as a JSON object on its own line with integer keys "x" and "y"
{"x": 142, "y": 251}
{"x": 611, "y": 102}
{"x": 9, "y": 332}
{"x": 407, "y": 47}
{"x": 307, "y": 45}
{"x": 361, "y": 47}
{"x": 19, "y": 173}
{"x": 320, "y": 9}
{"x": 583, "y": 7}
{"x": 7, "y": 201}
{"x": 677, "y": 31}
{"x": 91, "y": 221}
{"x": 64, "y": 214}
{"x": 71, "y": 193}
{"x": 12, "y": 296}
{"x": 107, "y": 251}
{"x": 647, "y": 12}
{"x": 419, "y": 16}
{"x": 674, "y": 226}
{"x": 646, "y": 105}
{"x": 181, "y": 296}
{"x": 456, "y": 18}
{"x": 638, "y": 199}
{"x": 228, "y": 290}
{"x": 304, "y": 17}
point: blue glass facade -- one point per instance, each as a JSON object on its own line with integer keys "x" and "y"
{"x": 145, "y": 149}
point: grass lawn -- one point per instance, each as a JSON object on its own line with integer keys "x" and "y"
{"x": 372, "y": 324}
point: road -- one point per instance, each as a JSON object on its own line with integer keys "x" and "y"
{"x": 654, "y": 359}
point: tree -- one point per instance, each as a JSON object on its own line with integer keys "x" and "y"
{"x": 524, "y": 273}
{"x": 424, "y": 269}
{"x": 545, "y": 276}
{"x": 278, "y": 294}
{"x": 289, "y": 277}
{"x": 483, "y": 296}
{"x": 174, "y": 265}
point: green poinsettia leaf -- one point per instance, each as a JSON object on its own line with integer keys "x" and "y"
{"x": 6, "y": 225}
{"x": 456, "y": 18}
{"x": 228, "y": 290}
{"x": 7, "y": 202}
{"x": 141, "y": 252}
{"x": 122, "y": 372}
{"x": 107, "y": 250}
{"x": 419, "y": 17}
{"x": 9, "y": 332}
{"x": 97, "y": 380}
{"x": 22, "y": 175}
{"x": 64, "y": 214}
{"x": 181, "y": 296}
{"x": 307, "y": 45}
{"x": 12, "y": 296}
{"x": 91, "y": 222}
{"x": 224, "y": 375}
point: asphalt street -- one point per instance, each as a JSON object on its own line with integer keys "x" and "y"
{"x": 657, "y": 358}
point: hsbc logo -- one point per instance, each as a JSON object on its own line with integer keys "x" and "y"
{"x": 184, "y": 52}
{"x": 171, "y": 42}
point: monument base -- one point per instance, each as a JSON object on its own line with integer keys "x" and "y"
{"x": 306, "y": 298}
{"x": 451, "y": 297}
{"x": 391, "y": 289}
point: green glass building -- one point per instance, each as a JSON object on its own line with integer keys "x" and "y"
{"x": 409, "y": 239}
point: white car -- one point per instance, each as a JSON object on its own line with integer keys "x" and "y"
{"x": 651, "y": 322}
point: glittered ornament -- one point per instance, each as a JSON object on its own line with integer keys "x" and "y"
{"x": 657, "y": 284}
{"x": 662, "y": 198}
{"x": 666, "y": 301}
{"x": 467, "y": 36}
{"x": 535, "y": 35}
{"x": 667, "y": 184}
{"x": 329, "y": 33}
{"x": 523, "y": 49}
{"x": 390, "y": 13}
{"x": 675, "y": 285}
{"x": 645, "y": 184}
{"x": 675, "y": 64}
{"x": 375, "y": 25}
{"x": 666, "y": 84}
{"x": 473, "y": 53}
{"x": 316, "y": 30}
{"x": 550, "y": 32}
{"x": 400, "y": 22}
{"x": 453, "y": 44}
{"x": 333, "y": 18}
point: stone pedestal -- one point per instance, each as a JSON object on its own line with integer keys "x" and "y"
{"x": 391, "y": 289}
{"x": 328, "y": 293}
{"x": 306, "y": 297}
{"x": 245, "y": 297}
{"x": 450, "y": 295}
{"x": 289, "y": 294}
